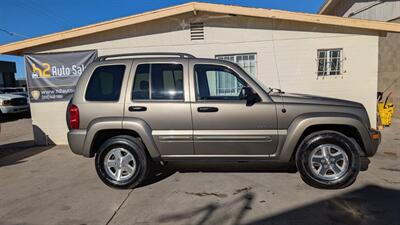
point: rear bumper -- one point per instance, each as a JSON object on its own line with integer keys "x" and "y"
{"x": 375, "y": 140}
{"x": 76, "y": 141}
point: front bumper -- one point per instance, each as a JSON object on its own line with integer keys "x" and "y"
{"x": 375, "y": 137}
{"x": 14, "y": 109}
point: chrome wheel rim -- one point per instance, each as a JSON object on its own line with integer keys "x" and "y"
{"x": 328, "y": 162}
{"x": 120, "y": 164}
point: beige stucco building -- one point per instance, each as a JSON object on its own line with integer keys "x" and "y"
{"x": 297, "y": 52}
{"x": 389, "y": 43}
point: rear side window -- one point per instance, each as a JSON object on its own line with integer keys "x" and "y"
{"x": 158, "y": 82}
{"x": 105, "y": 83}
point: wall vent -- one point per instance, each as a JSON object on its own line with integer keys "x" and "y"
{"x": 196, "y": 31}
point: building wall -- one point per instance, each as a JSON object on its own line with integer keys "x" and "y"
{"x": 389, "y": 45}
{"x": 286, "y": 52}
{"x": 367, "y": 9}
{"x": 1, "y": 79}
{"x": 8, "y": 79}
{"x": 7, "y": 74}
{"x": 389, "y": 68}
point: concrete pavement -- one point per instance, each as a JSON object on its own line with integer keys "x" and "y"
{"x": 54, "y": 186}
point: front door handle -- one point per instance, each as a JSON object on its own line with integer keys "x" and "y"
{"x": 137, "y": 108}
{"x": 207, "y": 109}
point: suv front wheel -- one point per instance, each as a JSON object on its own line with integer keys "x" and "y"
{"x": 328, "y": 159}
{"x": 121, "y": 162}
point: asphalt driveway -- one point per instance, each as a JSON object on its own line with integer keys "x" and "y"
{"x": 50, "y": 185}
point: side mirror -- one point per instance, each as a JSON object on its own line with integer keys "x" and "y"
{"x": 248, "y": 94}
{"x": 245, "y": 92}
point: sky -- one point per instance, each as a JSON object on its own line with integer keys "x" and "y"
{"x": 21, "y": 19}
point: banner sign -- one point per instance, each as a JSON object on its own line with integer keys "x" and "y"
{"x": 53, "y": 76}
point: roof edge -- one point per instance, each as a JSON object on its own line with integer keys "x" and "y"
{"x": 299, "y": 17}
{"x": 17, "y": 48}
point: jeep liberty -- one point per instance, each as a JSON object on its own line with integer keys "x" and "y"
{"x": 132, "y": 111}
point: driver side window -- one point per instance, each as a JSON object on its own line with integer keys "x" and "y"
{"x": 215, "y": 82}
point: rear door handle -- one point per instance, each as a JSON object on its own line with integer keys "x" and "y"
{"x": 137, "y": 108}
{"x": 207, "y": 109}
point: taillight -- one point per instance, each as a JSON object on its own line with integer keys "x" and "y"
{"x": 73, "y": 117}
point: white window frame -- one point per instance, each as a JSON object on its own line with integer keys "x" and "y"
{"x": 246, "y": 65}
{"x": 327, "y": 62}
{"x": 235, "y": 58}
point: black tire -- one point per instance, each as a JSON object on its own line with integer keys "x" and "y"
{"x": 136, "y": 148}
{"x": 311, "y": 142}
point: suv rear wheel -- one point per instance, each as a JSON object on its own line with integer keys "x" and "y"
{"x": 328, "y": 159}
{"x": 121, "y": 162}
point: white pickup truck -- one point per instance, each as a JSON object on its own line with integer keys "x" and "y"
{"x": 14, "y": 102}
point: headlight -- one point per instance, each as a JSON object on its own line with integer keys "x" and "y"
{"x": 5, "y": 103}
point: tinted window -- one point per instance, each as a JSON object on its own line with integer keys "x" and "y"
{"x": 141, "y": 83}
{"x": 158, "y": 82}
{"x": 214, "y": 82}
{"x": 105, "y": 83}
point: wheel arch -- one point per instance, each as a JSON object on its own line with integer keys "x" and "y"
{"x": 304, "y": 125}
{"x": 102, "y": 129}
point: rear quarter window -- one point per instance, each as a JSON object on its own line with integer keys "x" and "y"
{"x": 105, "y": 83}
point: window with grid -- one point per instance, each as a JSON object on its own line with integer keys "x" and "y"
{"x": 228, "y": 85}
{"x": 330, "y": 62}
{"x": 247, "y": 61}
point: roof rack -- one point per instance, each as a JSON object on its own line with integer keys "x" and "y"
{"x": 180, "y": 55}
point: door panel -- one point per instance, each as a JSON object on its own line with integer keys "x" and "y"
{"x": 235, "y": 129}
{"x": 222, "y": 122}
{"x": 158, "y": 97}
{"x": 171, "y": 125}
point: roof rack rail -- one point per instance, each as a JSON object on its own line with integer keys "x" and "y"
{"x": 180, "y": 55}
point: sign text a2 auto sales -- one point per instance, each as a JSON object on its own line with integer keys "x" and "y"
{"x": 54, "y": 71}
{"x": 53, "y": 76}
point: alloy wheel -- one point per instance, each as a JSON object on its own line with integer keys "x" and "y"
{"x": 328, "y": 162}
{"x": 120, "y": 164}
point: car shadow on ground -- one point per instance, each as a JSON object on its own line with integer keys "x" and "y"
{"x": 159, "y": 173}
{"x": 234, "y": 167}
{"x": 370, "y": 205}
{"x": 15, "y": 153}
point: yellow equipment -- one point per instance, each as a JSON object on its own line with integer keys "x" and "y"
{"x": 386, "y": 111}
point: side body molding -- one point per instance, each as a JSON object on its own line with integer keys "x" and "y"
{"x": 301, "y": 123}
{"x": 145, "y": 132}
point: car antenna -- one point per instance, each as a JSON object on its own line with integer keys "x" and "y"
{"x": 276, "y": 64}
